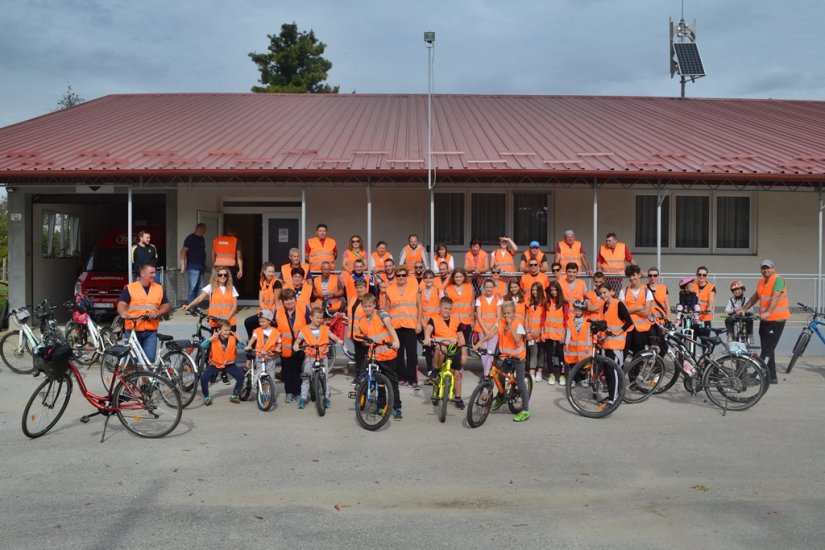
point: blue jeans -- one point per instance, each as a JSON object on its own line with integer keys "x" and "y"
{"x": 195, "y": 279}
{"x": 148, "y": 340}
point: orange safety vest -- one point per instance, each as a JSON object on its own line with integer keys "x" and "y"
{"x": 659, "y": 297}
{"x": 320, "y": 252}
{"x": 507, "y": 343}
{"x": 535, "y": 316}
{"x": 304, "y": 293}
{"x": 378, "y": 260}
{"x": 350, "y": 256}
{"x": 521, "y": 309}
{"x": 445, "y": 331}
{"x": 765, "y": 291}
{"x": 504, "y": 260}
{"x": 570, "y": 253}
{"x": 356, "y": 313}
{"x": 262, "y": 343}
{"x": 287, "y": 333}
{"x": 429, "y": 306}
{"x": 553, "y": 327}
{"x": 593, "y": 297}
{"x": 448, "y": 258}
{"x": 333, "y": 304}
{"x": 463, "y": 303}
{"x": 411, "y": 256}
{"x": 576, "y": 292}
{"x": 528, "y": 255}
{"x": 225, "y": 248}
{"x": 475, "y": 261}
{"x": 140, "y": 302}
{"x": 286, "y": 271}
{"x": 322, "y": 340}
{"x": 374, "y": 328}
{"x": 614, "y": 323}
{"x": 349, "y": 286}
{"x": 221, "y": 356}
{"x": 486, "y": 313}
{"x": 704, "y": 301}
{"x": 403, "y": 305}
{"x": 527, "y": 281}
{"x": 221, "y": 303}
{"x": 640, "y": 322}
{"x": 613, "y": 259}
{"x": 267, "y": 296}
{"x": 580, "y": 345}
{"x": 501, "y": 288}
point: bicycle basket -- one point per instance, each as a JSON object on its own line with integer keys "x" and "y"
{"x": 52, "y": 360}
{"x": 22, "y": 315}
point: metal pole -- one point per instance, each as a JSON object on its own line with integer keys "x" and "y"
{"x": 129, "y": 235}
{"x": 595, "y": 224}
{"x": 430, "y": 185}
{"x": 303, "y": 238}
{"x": 659, "y": 200}
{"x": 369, "y": 221}
{"x": 819, "y": 256}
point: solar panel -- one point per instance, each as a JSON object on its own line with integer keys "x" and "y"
{"x": 687, "y": 55}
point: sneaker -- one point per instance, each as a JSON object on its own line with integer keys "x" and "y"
{"x": 224, "y": 378}
{"x": 430, "y": 373}
{"x": 602, "y": 406}
{"x": 416, "y": 387}
{"x": 402, "y": 383}
{"x": 289, "y": 398}
{"x": 497, "y": 403}
{"x": 234, "y": 398}
{"x": 397, "y": 415}
{"x": 301, "y": 403}
{"x": 562, "y": 380}
{"x": 585, "y": 383}
{"x": 551, "y": 381}
{"x": 327, "y": 404}
{"x": 537, "y": 377}
{"x": 459, "y": 403}
{"x": 207, "y": 401}
{"x": 522, "y": 416}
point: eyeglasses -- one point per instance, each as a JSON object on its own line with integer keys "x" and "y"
{"x": 701, "y": 274}
{"x": 401, "y": 275}
{"x": 355, "y": 241}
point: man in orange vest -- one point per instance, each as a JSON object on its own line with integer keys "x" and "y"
{"x": 571, "y": 250}
{"x": 614, "y": 256}
{"x": 774, "y": 310}
{"x": 144, "y": 297}
{"x": 294, "y": 263}
{"x": 707, "y": 300}
{"x": 327, "y": 290}
{"x": 638, "y": 300}
{"x": 534, "y": 253}
{"x": 413, "y": 253}
{"x": 227, "y": 252}
{"x": 320, "y": 248}
{"x": 533, "y": 275}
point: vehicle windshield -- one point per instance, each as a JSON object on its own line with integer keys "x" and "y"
{"x": 107, "y": 260}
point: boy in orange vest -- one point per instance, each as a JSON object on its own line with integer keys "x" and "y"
{"x": 445, "y": 329}
{"x": 222, "y": 354}
{"x": 265, "y": 338}
{"x": 578, "y": 343}
{"x": 377, "y": 325}
{"x": 316, "y": 333}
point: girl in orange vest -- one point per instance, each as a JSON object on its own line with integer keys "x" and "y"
{"x": 354, "y": 251}
{"x": 460, "y": 291}
{"x": 265, "y": 339}
{"x": 534, "y": 318}
{"x": 441, "y": 255}
{"x": 578, "y": 343}
{"x": 618, "y": 322}
{"x": 511, "y": 334}
{"x": 222, "y": 354}
{"x": 552, "y": 334}
{"x": 516, "y": 296}
{"x": 316, "y": 333}
{"x": 268, "y": 296}
{"x": 487, "y": 319}
{"x": 499, "y": 285}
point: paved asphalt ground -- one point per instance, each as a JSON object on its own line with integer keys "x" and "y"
{"x": 668, "y": 473}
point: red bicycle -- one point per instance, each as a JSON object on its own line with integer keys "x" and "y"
{"x": 146, "y": 403}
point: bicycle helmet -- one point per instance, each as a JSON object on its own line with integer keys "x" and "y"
{"x": 737, "y": 284}
{"x": 580, "y": 304}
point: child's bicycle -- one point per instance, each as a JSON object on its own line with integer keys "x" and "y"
{"x": 16, "y": 345}
{"x": 87, "y": 339}
{"x": 258, "y": 378}
{"x": 443, "y": 383}
{"x": 373, "y": 393}
{"x": 599, "y": 376}
{"x": 146, "y": 403}
{"x": 495, "y": 389}
{"x": 805, "y": 336}
{"x": 318, "y": 377}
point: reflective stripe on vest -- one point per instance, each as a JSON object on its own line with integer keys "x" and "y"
{"x": 660, "y": 296}
{"x": 412, "y": 256}
{"x": 486, "y": 314}
{"x": 350, "y": 256}
{"x": 462, "y": 304}
{"x": 476, "y": 261}
{"x": 641, "y": 322}
{"x": 614, "y": 324}
{"x": 320, "y": 252}
{"x": 570, "y": 254}
{"x": 322, "y": 340}
{"x": 268, "y": 300}
{"x": 283, "y": 327}
{"x": 221, "y": 356}
{"x": 765, "y": 291}
{"x": 429, "y": 306}
{"x": 613, "y": 259}
{"x": 553, "y": 327}
{"x": 534, "y": 319}
{"x": 375, "y": 329}
{"x": 527, "y": 281}
{"x": 403, "y": 305}
{"x": 595, "y": 300}
{"x": 356, "y": 313}
{"x": 575, "y": 293}
{"x": 262, "y": 343}
{"x": 225, "y": 248}
{"x": 333, "y": 304}
{"x": 378, "y": 260}
{"x": 507, "y": 343}
{"x": 140, "y": 302}
{"x": 704, "y": 301}
{"x": 221, "y": 303}
{"x": 286, "y": 272}
{"x": 580, "y": 344}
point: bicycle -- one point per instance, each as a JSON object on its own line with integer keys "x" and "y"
{"x": 198, "y": 348}
{"x": 373, "y": 394}
{"x": 600, "y": 377}
{"x": 258, "y": 378}
{"x": 805, "y": 336}
{"x": 688, "y": 323}
{"x": 317, "y": 378}
{"x": 443, "y": 383}
{"x": 88, "y": 340}
{"x": 16, "y": 345}
{"x": 496, "y": 388}
{"x": 646, "y": 371}
{"x": 147, "y": 404}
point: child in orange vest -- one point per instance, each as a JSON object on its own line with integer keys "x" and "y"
{"x": 265, "y": 339}
{"x": 222, "y": 354}
{"x": 445, "y": 329}
{"x": 316, "y": 333}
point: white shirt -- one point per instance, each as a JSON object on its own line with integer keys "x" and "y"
{"x": 208, "y": 290}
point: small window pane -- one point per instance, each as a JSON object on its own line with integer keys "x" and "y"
{"x": 733, "y": 221}
{"x": 60, "y": 235}
{"x": 530, "y": 215}
{"x": 488, "y": 217}
{"x": 692, "y": 222}
{"x": 449, "y": 218}
{"x": 646, "y": 221}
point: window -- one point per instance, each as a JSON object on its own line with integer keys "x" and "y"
{"x": 488, "y": 217}
{"x": 646, "y": 221}
{"x": 60, "y": 237}
{"x": 449, "y": 218}
{"x": 530, "y": 217}
{"x": 733, "y": 222}
{"x": 692, "y": 215}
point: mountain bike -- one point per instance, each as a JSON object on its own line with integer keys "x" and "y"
{"x": 443, "y": 383}
{"x": 16, "y": 345}
{"x": 602, "y": 382}
{"x": 496, "y": 388}
{"x": 373, "y": 395}
{"x": 257, "y": 377}
{"x": 317, "y": 378}
{"x": 88, "y": 340}
{"x": 147, "y": 404}
{"x": 805, "y": 336}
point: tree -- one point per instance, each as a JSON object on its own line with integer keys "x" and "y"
{"x": 69, "y": 98}
{"x": 294, "y": 63}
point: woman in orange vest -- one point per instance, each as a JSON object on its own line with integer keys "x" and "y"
{"x": 268, "y": 296}
{"x": 661, "y": 298}
{"x": 706, "y": 292}
{"x": 534, "y": 317}
{"x": 404, "y": 307}
{"x": 222, "y": 296}
{"x": 487, "y": 321}
{"x": 460, "y": 291}
{"x": 379, "y": 257}
{"x": 476, "y": 260}
{"x": 552, "y": 334}
{"x": 503, "y": 258}
{"x": 223, "y": 352}
{"x": 290, "y": 318}
{"x": 442, "y": 255}
{"x": 354, "y": 251}
{"x": 618, "y": 322}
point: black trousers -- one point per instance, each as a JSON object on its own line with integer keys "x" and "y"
{"x": 407, "y": 360}
{"x": 769, "y": 334}
{"x": 291, "y": 368}
{"x": 388, "y": 370}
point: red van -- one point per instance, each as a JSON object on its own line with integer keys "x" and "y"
{"x": 104, "y": 275}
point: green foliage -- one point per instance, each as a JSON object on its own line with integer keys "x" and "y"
{"x": 293, "y": 64}
{"x": 69, "y": 98}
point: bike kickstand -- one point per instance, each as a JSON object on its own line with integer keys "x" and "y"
{"x": 105, "y": 424}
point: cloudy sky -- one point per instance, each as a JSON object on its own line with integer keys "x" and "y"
{"x": 756, "y": 49}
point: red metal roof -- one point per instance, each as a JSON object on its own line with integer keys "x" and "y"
{"x": 338, "y": 136}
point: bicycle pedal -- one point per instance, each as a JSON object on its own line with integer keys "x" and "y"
{"x": 84, "y": 419}
{"x": 351, "y": 395}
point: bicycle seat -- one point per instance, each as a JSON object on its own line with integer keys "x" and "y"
{"x": 165, "y": 338}
{"x": 117, "y": 351}
{"x": 712, "y": 340}
{"x": 178, "y": 345}
{"x": 718, "y": 331}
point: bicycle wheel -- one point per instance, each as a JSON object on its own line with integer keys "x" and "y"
{"x": 446, "y": 388}
{"x": 148, "y": 404}
{"x": 481, "y": 402}
{"x": 514, "y": 401}
{"x": 46, "y": 406}
{"x": 644, "y": 375}
{"x": 266, "y": 394}
{"x": 670, "y": 377}
{"x": 185, "y": 374}
{"x": 735, "y": 382}
{"x": 77, "y": 337}
{"x": 593, "y": 400}
{"x": 246, "y": 388}
{"x": 332, "y": 355}
{"x": 319, "y": 387}
{"x": 368, "y": 400}
{"x": 799, "y": 347}
{"x": 16, "y": 355}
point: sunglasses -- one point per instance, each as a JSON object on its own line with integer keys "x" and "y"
{"x": 650, "y": 275}
{"x": 495, "y": 272}
{"x": 533, "y": 265}
{"x": 401, "y": 275}
{"x": 701, "y": 274}
{"x": 223, "y": 274}
{"x": 355, "y": 241}
{"x": 556, "y": 270}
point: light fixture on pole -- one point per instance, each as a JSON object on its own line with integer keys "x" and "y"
{"x": 429, "y": 41}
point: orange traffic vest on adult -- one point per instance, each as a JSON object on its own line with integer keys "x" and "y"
{"x": 320, "y": 252}
{"x": 374, "y": 328}
{"x": 412, "y": 256}
{"x": 570, "y": 253}
{"x": 539, "y": 257}
{"x": 593, "y": 297}
{"x": 579, "y": 344}
{"x": 474, "y": 261}
{"x": 333, "y": 304}
{"x": 507, "y": 343}
{"x": 286, "y": 271}
{"x": 535, "y": 319}
{"x": 574, "y": 291}
{"x": 140, "y": 302}
{"x": 614, "y": 259}
{"x": 268, "y": 298}
{"x": 403, "y": 305}
{"x": 463, "y": 303}
{"x": 221, "y": 303}
{"x": 446, "y": 331}
{"x": 765, "y": 291}
{"x": 641, "y": 322}
{"x": 659, "y": 303}
{"x": 350, "y": 256}
{"x": 222, "y": 356}
{"x": 225, "y": 248}
{"x": 553, "y": 327}
{"x": 502, "y": 259}
{"x": 527, "y": 281}
{"x": 447, "y": 259}
{"x": 267, "y": 344}
{"x": 429, "y": 304}
{"x": 379, "y": 259}
{"x": 704, "y": 301}
{"x": 311, "y": 340}
{"x": 288, "y": 333}
{"x": 614, "y": 324}
{"x": 486, "y": 313}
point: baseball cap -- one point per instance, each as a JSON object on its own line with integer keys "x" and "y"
{"x": 534, "y": 244}
{"x": 267, "y": 314}
{"x": 767, "y": 263}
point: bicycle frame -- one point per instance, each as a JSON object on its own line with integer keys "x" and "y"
{"x": 443, "y": 372}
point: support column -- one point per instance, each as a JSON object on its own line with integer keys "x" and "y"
{"x": 819, "y": 255}
{"x": 303, "y": 237}
{"x": 660, "y": 199}
{"x": 20, "y": 246}
{"x": 129, "y": 235}
{"x": 595, "y": 224}
{"x": 369, "y": 220}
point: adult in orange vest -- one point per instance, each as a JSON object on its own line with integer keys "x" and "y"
{"x": 294, "y": 263}
{"x": 404, "y": 307}
{"x": 504, "y": 256}
{"x": 355, "y": 251}
{"x": 413, "y": 253}
{"x": 289, "y": 320}
{"x": 571, "y": 250}
{"x": 661, "y": 298}
{"x": 442, "y": 255}
{"x": 572, "y": 287}
{"x": 377, "y": 326}
{"x": 228, "y": 252}
{"x": 774, "y": 309}
{"x": 222, "y": 296}
{"x": 534, "y": 253}
{"x": 379, "y": 257}
{"x": 595, "y": 304}
{"x": 268, "y": 295}
{"x": 613, "y": 257}
{"x": 144, "y": 297}
{"x": 320, "y": 248}
{"x": 327, "y": 290}
{"x": 533, "y": 275}
{"x": 476, "y": 260}
{"x": 223, "y": 352}
{"x": 706, "y": 292}
{"x": 639, "y": 302}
